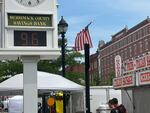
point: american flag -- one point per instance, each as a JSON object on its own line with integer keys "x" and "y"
{"x": 83, "y": 37}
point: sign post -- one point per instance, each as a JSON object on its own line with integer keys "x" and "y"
{"x": 30, "y": 84}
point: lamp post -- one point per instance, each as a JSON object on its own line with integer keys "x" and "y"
{"x": 62, "y": 28}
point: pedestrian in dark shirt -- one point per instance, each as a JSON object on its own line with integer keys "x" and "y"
{"x": 111, "y": 106}
{"x": 115, "y": 107}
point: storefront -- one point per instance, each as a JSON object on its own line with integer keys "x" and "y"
{"x": 134, "y": 82}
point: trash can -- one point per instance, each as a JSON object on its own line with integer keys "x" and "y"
{"x": 104, "y": 108}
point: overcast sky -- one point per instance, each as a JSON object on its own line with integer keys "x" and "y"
{"x": 108, "y": 16}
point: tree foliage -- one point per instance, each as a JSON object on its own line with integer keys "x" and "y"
{"x": 110, "y": 80}
{"x": 54, "y": 66}
{"x": 96, "y": 80}
{"x": 10, "y": 68}
{"x": 76, "y": 77}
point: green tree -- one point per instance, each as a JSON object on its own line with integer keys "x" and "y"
{"x": 54, "y": 66}
{"x": 110, "y": 80}
{"x": 10, "y": 68}
{"x": 76, "y": 77}
{"x": 96, "y": 80}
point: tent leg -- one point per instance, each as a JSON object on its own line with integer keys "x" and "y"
{"x": 43, "y": 104}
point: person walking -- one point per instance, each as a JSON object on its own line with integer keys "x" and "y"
{"x": 115, "y": 107}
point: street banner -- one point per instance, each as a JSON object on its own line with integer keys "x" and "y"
{"x": 118, "y": 65}
{"x": 124, "y": 81}
{"x": 144, "y": 78}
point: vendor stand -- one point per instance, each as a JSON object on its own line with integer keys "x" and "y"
{"x": 134, "y": 81}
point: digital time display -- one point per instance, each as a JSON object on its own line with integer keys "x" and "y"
{"x": 30, "y": 38}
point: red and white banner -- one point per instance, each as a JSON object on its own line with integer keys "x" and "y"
{"x": 140, "y": 66}
{"x": 148, "y": 60}
{"x": 136, "y": 64}
{"x": 129, "y": 66}
{"x": 144, "y": 78}
{"x": 118, "y": 66}
{"x": 124, "y": 81}
{"x": 140, "y": 62}
{"x": 117, "y": 82}
{"x": 128, "y": 80}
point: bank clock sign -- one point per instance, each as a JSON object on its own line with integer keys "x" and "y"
{"x": 29, "y": 3}
{"x": 30, "y": 28}
{"x": 29, "y": 20}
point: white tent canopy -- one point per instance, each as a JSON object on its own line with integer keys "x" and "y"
{"x": 46, "y": 82}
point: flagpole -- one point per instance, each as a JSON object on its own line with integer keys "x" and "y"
{"x": 87, "y": 66}
{"x": 83, "y": 41}
{"x": 87, "y": 80}
{"x": 88, "y": 25}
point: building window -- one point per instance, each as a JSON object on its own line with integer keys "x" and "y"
{"x": 110, "y": 49}
{"x": 146, "y": 44}
{"x": 106, "y": 51}
{"x": 135, "y": 49}
{"x": 125, "y": 53}
{"x": 118, "y": 53}
{"x": 145, "y": 30}
{"x": 125, "y": 41}
{"x": 148, "y": 28}
{"x": 103, "y": 52}
{"x": 111, "y": 62}
{"x": 117, "y": 45}
{"x": 131, "y": 38}
{"x": 130, "y": 51}
{"x": 140, "y": 46}
{"x": 141, "y": 33}
{"x": 120, "y": 43}
{"x": 105, "y": 62}
{"x": 122, "y": 54}
{"x": 134, "y": 36}
{"x": 128, "y": 39}
{"x": 138, "y": 34}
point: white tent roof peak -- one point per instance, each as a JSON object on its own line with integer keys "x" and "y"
{"x": 45, "y": 82}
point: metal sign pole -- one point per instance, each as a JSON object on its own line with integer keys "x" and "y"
{"x": 87, "y": 83}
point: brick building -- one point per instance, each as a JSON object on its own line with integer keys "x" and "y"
{"x": 77, "y": 68}
{"x": 93, "y": 71}
{"x": 127, "y": 43}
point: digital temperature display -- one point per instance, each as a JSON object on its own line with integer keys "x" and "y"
{"x": 30, "y": 38}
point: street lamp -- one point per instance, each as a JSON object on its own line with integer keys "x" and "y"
{"x": 62, "y": 28}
